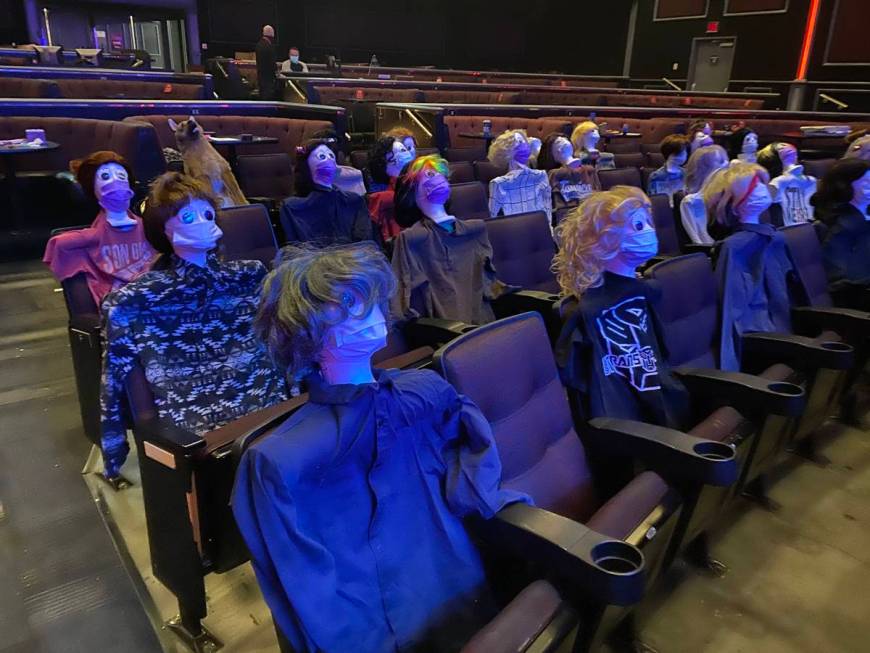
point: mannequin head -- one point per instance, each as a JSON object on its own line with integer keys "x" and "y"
{"x": 387, "y": 158}
{"x": 423, "y": 190}
{"x": 675, "y": 149}
{"x": 702, "y": 163}
{"x": 512, "y": 147}
{"x": 180, "y": 217}
{"x": 611, "y": 230}
{"x": 777, "y": 158}
{"x": 699, "y": 135}
{"x": 859, "y": 146}
{"x": 743, "y": 142}
{"x": 315, "y": 165}
{"x": 106, "y": 178}
{"x": 406, "y": 136}
{"x": 738, "y": 195}
{"x": 585, "y": 136}
{"x": 845, "y": 183}
{"x": 556, "y": 151}
{"x": 326, "y": 310}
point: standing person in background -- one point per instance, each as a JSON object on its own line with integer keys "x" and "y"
{"x": 293, "y": 64}
{"x": 266, "y": 62}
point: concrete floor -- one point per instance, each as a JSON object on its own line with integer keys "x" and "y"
{"x": 799, "y": 579}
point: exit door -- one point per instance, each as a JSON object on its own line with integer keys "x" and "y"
{"x": 710, "y": 64}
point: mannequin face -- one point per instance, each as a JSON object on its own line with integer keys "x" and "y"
{"x": 398, "y": 159}
{"x": 707, "y": 129}
{"x": 112, "y": 188}
{"x": 678, "y": 159}
{"x": 358, "y": 335}
{"x": 410, "y": 145}
{"x": 193, "y": 227}
{"x": 562, "y": 150}
{"x": 755, "y": 199}
{"x": 522, "y": 149}
{"x": 788, "y": 155}
{"x": 590, "y": 140}
{"x": 750, "y": 143}
{"x": 861, "y": 192}
{"x": 432, "y": 189}
{"x": 639, "y": 240}
{"x": 321, "y": 164}
{"x": 700, "y": 139}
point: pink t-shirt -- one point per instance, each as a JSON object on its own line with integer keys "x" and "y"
{"x": 108, "y": 256}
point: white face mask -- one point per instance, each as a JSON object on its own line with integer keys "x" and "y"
{"x": 398, "y": 159}
{"x": 756, "y": 202}
{"x": 349, "y": 345}
{"x": 194, "y": 227}
{"x": 322, "y": 166}
{"x": 562, "y": 150}
{"x": 750, "y": 143}
{"x": 861, "y": 193}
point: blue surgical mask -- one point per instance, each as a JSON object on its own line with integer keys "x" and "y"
{"x": 294, "y": 58}
{"x": 641, "y": 246}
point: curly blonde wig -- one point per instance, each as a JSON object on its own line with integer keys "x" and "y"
{"x": 592, "y": 234}
{"x": 579, "y": 133}
{"x": 501, "y": 151}
{"x": 702, "y": 163}
{"x": 727, "y": 188}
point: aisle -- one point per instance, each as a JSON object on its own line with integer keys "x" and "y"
{"x": 62, "y": 586}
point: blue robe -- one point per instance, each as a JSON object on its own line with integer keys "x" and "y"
{"x": 352, "y": 510}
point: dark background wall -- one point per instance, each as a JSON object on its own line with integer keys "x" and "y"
{"x": 574, "y": 37}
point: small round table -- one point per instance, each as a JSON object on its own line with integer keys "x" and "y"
{"x": 9, "y": 153}
{"x": 232, "y": 142}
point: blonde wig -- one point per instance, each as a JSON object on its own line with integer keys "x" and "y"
{"x": 579, "y": 133}
{"x": 592, "y": 234}
{"x": 702, "y": 163}
{"x": 727, "y": 189}
{"x": 501, "y": 151}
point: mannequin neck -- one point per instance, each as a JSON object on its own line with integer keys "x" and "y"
{"x": 618, "y": 265}
{"x": 795, "y": 169}
{"x": 862, "y": 208}
{"x": 672, "y": 166}
{"x": 124, "y": 221}
{"x": 198, "y": 257}
{"x": 590, "y": 148}
{"x": 346, "y": 370}
{"x": 516, "y": 165}
{"x": 435, "y": 212}
{"x": 747, "y": 157}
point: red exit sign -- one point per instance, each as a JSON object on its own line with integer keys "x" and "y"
{"x": 712, "y": 27}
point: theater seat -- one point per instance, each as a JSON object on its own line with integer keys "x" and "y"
{"x": 619, "y": 177}
{"x": 461, "y": 172}
{"x": 248, "y": 234}
{"x": 472, "y": 153}
{"x": 525, "y": 403}
{"x": 666, "y": 230}
{"x": 619, "y": 145}
{"x": 468, "y": 201}
{"x": 359, "y": 159}
{"x": 485, "y": 171}
{"x": 523, "y": 251}
{"x": 265, "y": 177}
{"x": 629, "y": 160}
{"x": 655, "y": 159}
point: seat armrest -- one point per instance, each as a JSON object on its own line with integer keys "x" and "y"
{"x": 671, "y": 453}
{"x": 268, "y": 202}
{"x": 797, "y": 351}
{"x": 251, "y": 425}
{"x": 695, "y": 248}
{"x": 167, "y": 435}
{"x": 88, "y": 322}
{"x": 433, "y": 331}
{"x": 851, "y": 295}
{"x": 852, "y": 325}
{"x": 749, "y": 394}
{"x": 606, "y": 570}
{"x": 523, "y": 301}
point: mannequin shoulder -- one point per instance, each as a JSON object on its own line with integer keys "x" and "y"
{"x": 253, "y": 269}
{"x": 423, "y": 391}
{"x": 75, "y": 239}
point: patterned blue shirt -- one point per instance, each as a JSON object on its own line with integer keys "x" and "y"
{"x": 189, "y": 328}
{"x": 352, "y": 510}
{"x": 664, "y": 182}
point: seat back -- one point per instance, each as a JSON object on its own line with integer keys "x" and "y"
{"x": 629, "y": 160}
{"x": 687, "y": 309}
{"x": 507, "y": 369}
{"x": 666, "y": 230}
{"x": 468, "y": 201}
{"x": 523, "y": 250}
{"x": 485, "y": 171}
{"x": 655, "y": 159}
{"x": 265, "y": 175}
{"x": 624, "y": 145}
{"x": 470, "y": 153}
{"x": 619, "y": 177}
{"x": 359, "y": 159}
{"x": 248, "y": 234}
{"x": 806, "y": 252}
{"x": 461, "y": 172}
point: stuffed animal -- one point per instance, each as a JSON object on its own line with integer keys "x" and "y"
{"x": 202, "y": 161}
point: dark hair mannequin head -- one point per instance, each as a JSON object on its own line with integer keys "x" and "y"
{"x": 674, "y": 144}
{"x": 735, "y": 141}
{"x": 545, "y": 157}
{"x": 85, "y": 170}
{"x": 302, "y": 182}
{"x": 378, "y": 154}
{"x": 835, "y": 188}
{"x": 768, "y": 158}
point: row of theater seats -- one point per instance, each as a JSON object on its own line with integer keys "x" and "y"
{"x": 618, "y": 98}
{"x": 99, "y": 89}
{"x": 603, "y": 533}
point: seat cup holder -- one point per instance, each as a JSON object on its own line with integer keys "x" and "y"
{"x": 783, "y": 388}
{"x": 714, "y": 451}
{"x": 617, "y": 557}
{"x": 836, "y": 346}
